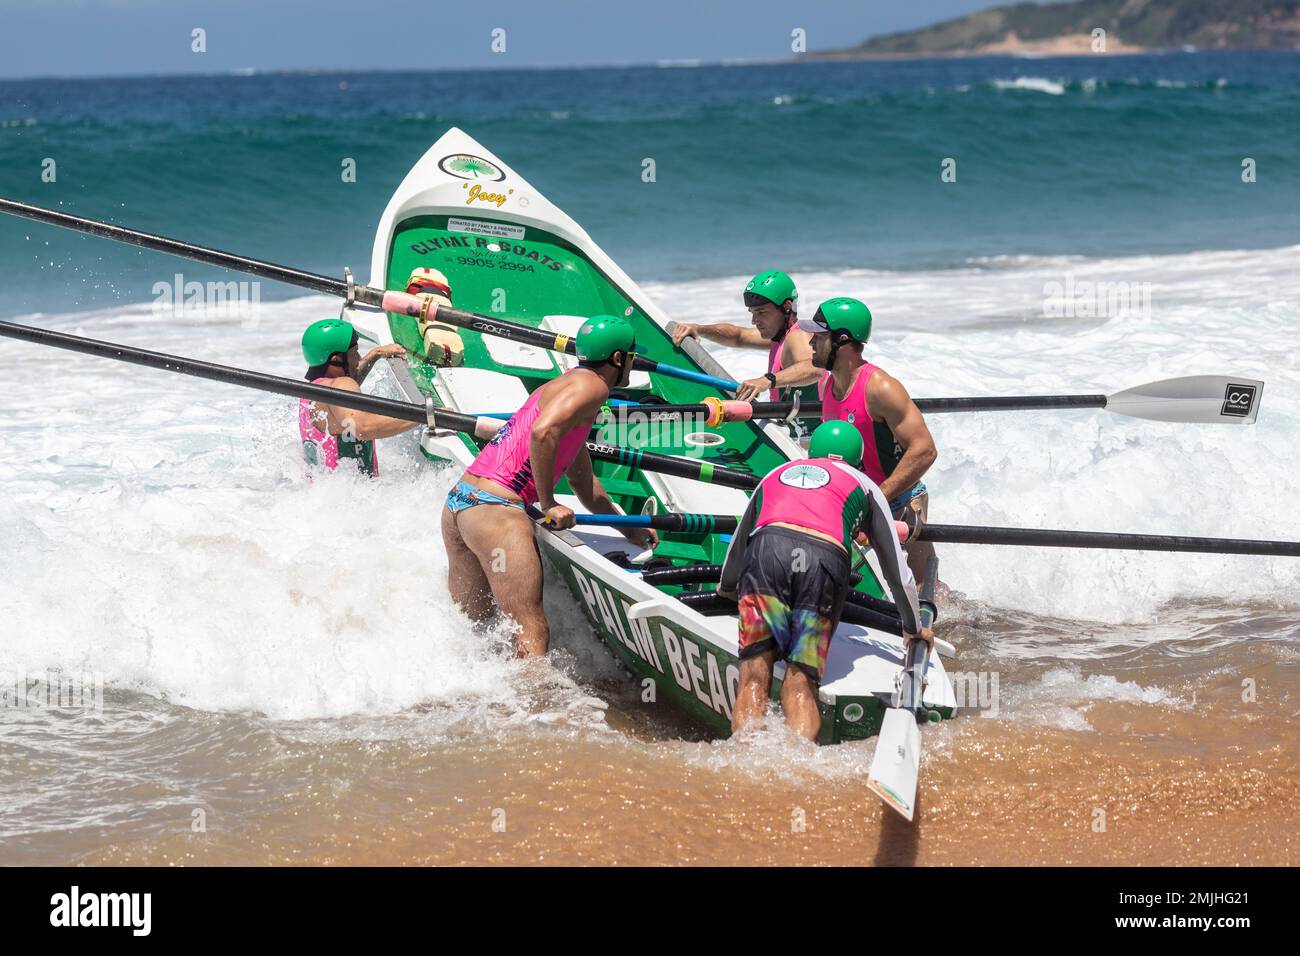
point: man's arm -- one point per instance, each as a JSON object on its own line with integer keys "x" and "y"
{"x": 374, "y": 355}
{"x": 585, "y": 484}
{"x": 576, "y": 402}
{"x": 359, "y": 425}
{"x": 734, "y": 563}
{"x": 879, "y": 524}
{"x": 797, "y": 369}
{"x": 887, "y": 400}
{"x": 724, "y": 332}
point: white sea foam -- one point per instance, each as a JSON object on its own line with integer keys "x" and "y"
{"x": 1037, "y": 84}
{"x": 1063, "y": 696}
{"x": 158, "y": 531}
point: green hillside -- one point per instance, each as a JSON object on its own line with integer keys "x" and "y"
{"x": 1149, "y": 24}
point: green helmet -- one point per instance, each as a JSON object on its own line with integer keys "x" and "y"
{"x": 847, "y": 315}
{"x": 772, "y": 286}
{"x": 836, "y": 439}
{"x": 326, "y": 337}
{"x": 602, "y": 336}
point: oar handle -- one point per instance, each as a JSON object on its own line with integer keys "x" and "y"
{"x": 686, "y": 374}
{"x": 687, "y": 523}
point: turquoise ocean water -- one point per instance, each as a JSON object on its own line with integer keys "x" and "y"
{"x": 815, "y": 166}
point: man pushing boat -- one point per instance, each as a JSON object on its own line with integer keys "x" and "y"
{"x": 788, "y": 567}
{"x": 898, "y": 448}
{"x": 773, "y": 303}
{"x": 334, "y": 433}
{"x": 493, "y": 561}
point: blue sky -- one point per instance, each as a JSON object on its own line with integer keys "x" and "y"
{"x": 113, "y": 37}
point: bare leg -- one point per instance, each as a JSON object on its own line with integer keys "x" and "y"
{"x": 755, "y": 687}
{"x": 466, "y": 582}
{"x": 501, "y": 538}
{"x": 799, "y": 703}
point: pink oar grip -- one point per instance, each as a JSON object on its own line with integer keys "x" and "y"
{"x": 406, "y": 304}
{"x": 737, "y": 411}
{"x": 901, "y": 529}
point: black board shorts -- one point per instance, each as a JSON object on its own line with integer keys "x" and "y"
{"x": 790, "y": 597}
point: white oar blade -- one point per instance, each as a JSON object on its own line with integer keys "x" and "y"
{"x": 898, "y": 757}
{"x": 1207, "y": 399}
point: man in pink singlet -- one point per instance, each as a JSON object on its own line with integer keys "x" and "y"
{"x": 773, "y": 302}
{"x": 332, "y": 433}
{"x": 788, "y": 566}
{"x": 898, "y": 448}
{"x": 492, "y": 556}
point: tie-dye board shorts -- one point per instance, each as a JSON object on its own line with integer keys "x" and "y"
{"x": 790, "y": 597}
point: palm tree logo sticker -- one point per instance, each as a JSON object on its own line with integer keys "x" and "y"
{"x": 466, "y": 166}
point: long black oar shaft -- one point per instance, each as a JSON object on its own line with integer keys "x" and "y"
{"x": 976, "y": 534}
{"x": 367, "y": 295}
{"x": 1190, "y": 399}
{"x": 187, "y": 250}
{"x": 983, "y": 403}
{"x": 1045, "y": 538}
{"x": 480, "y": 427}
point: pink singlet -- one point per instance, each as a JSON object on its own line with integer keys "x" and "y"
{"x": 818, "y": 494}
{"x": 507, "y": 459}
{"x": 321, "y": 448}
{"x": 880, "y": 450}
{"x": 774, "y": 366}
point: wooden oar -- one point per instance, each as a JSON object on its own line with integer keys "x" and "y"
{"x": 1204, "y": 399}
{"x": 413, "y": 305}
{"x": 898, "y": 747}
{"x": 480, "y": 427}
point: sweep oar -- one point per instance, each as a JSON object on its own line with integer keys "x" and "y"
{"x": 898, "y": 749}
{"x": 475, "y": 425}
{"x": 401, "y": 302}
{"x": 1203, "y": 399}
{"x": 1046, "y": 538}
{"x": 977, "y": 534}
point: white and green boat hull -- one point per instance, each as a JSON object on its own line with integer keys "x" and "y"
{"x": 508, "y": 251}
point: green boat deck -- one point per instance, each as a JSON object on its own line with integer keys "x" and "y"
{"x": 527, "y": 279}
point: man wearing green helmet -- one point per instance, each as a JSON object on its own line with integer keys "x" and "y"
{"x": 787, "y": 567}
{"x": 898, "y": 448}
{"x": 493, "y": 561}
{"x": 773, "y": 303}
{"x": 331, "y": 433}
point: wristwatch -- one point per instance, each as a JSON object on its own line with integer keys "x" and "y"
{"x": 771, "y": 377}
